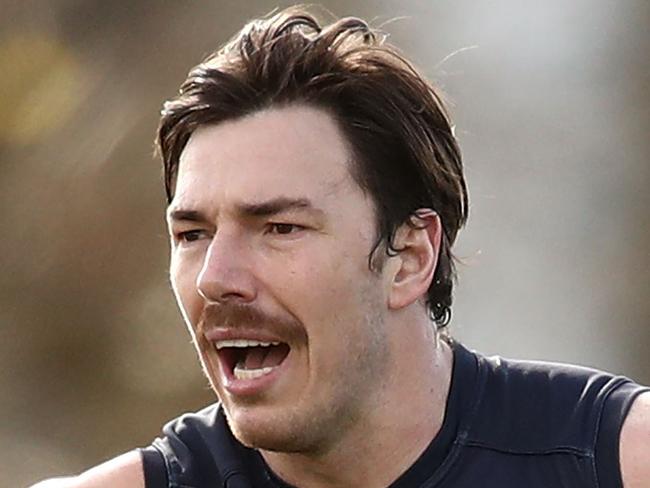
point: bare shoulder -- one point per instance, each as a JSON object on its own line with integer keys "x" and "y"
{"x": 125, "y": 470}
{"x": 635, "y": 439}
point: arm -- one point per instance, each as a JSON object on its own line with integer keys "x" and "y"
{"x": 635, "y": 444}
{"x": 124, "y": 471}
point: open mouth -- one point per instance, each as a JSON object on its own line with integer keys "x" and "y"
{"x": 246, "y": 359}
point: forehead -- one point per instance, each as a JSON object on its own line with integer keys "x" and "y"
{"x": 296, "y": 151}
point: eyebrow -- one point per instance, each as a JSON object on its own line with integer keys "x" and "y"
{"x": 274, "y": 206}
{"x": 185, "y": 215}
{"x": 250, "y": 210}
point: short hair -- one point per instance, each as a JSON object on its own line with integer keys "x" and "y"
{"x": 404, "y": 152}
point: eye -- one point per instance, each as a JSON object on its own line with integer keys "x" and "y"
{"x": 190, "y": 235}
{"x": 284, "y": 229}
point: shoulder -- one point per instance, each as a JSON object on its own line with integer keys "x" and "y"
{"x": 193, "y": 424}
{"x": 634, "y": 442}
{"x": 187, "y": 452}
{"x": 568, "y": 379}
{"x": 532, "y": 406}
{"x": 198, "y": 449}
{"x": 536, "y": 405}
{"x": 190, "y": 435}
{"x": 186, "y": 447}
{"x": 124, "y": 470}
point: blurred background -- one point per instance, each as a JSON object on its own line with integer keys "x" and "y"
{"x": 550, "y": 101}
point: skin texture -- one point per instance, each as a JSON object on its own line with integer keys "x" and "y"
{"x": 124, "y": 470}
{"x": 635, "y": 444}
{"x": 360, "y": 341}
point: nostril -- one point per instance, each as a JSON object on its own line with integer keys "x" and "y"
{"x": 224, "y": 298}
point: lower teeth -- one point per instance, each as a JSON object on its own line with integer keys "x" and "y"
{"x": 249, "y": 374}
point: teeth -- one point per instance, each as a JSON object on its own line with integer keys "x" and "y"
{"x": 244, "y": 343}
{"x": 249, "y": 374}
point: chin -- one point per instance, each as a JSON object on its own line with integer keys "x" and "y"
{"x": 276, "y": 432}
{"x": 294, "y": 430}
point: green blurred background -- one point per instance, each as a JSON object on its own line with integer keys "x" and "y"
{"x": 550, "y": 101}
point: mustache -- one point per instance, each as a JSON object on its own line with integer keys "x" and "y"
{"x": 237, "y": 315}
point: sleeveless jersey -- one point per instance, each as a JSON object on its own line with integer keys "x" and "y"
{"x": 507, "y": 424}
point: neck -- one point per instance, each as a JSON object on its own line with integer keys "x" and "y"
{"x": 401, "y": 422}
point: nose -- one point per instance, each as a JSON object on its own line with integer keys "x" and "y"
{"x": 226, "y": 274}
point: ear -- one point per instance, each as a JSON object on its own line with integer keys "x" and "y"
{"x": 419, "y": 245}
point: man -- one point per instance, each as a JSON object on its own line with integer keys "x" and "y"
{"x": 315, "y": 190}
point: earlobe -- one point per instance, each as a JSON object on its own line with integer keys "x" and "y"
{"x": 418, "y": 242}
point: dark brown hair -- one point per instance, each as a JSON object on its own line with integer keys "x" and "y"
{"x": 404, "y": 152}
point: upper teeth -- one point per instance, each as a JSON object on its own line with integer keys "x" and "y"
{"x": 244, "y": 343}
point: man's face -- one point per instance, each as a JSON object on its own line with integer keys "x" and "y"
{"x": 269, "y": 264}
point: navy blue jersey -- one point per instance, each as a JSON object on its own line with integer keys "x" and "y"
{"x": 507, "y": 424}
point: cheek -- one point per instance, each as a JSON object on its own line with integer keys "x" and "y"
{"x": 327, "y": 298}
{"x": 310, "y": 285}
